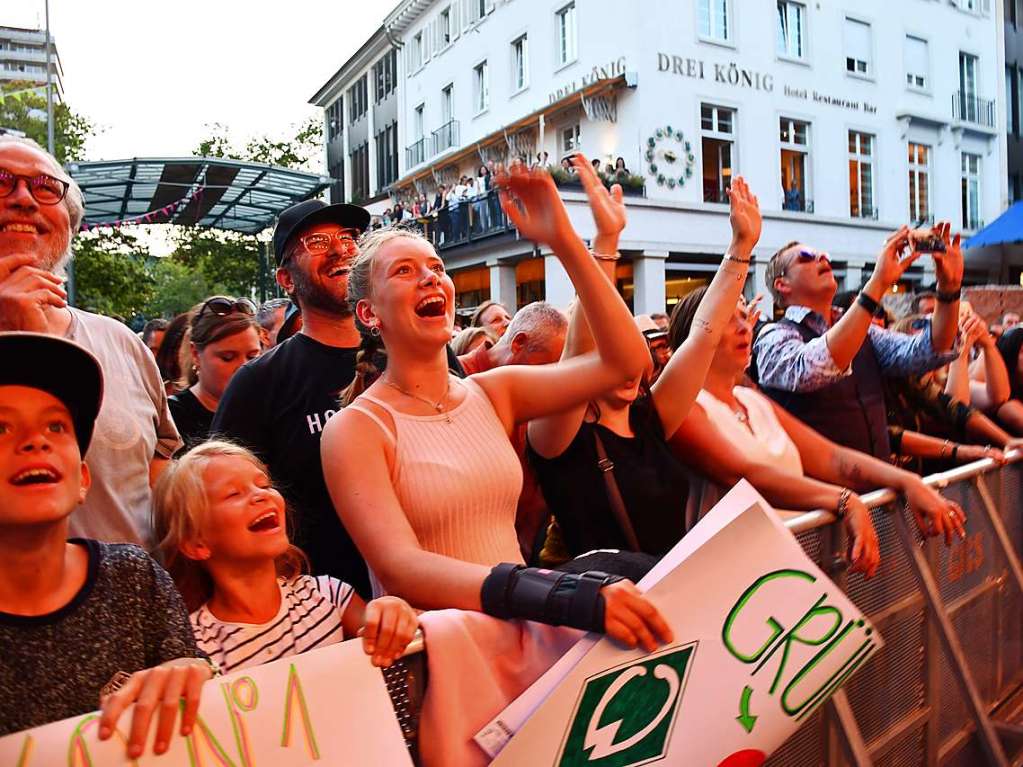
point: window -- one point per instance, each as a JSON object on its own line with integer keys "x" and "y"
{"x": 387, "y": 155}
{"x": 520, "y": 64}
{"x": 917, "y": 60}
{"x": 360, "y": 173}
{"x": 444, "y": 28}
{"x": 861, "y": 175}
{"x": 712, "y": 19}
{"x": 791, "y": 28}
{"x": 335, "y": 118}
{"x": 919, "y": 183}
{"x": 1011, "y": 106}
{"x": 447, "y": 104}
{"x": 416, "y": 52}
{"x": 971, "y": 190}
{"x": 481, "y": 87}
{"x": 1010, "y": 12}
{"x": 795, "y": 166}
{"x": 418, "y": 124}
{"x": 969, "y": 103}
{"x": 385, "y": 72}
{"x": 566, "y": 34}
{"x": 357, "y": 98}
{"x": 717, "y": 129}
{"x": 857, "y": 48}
{"x": 570, "y": 139}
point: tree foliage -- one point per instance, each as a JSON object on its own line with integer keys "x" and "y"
{"x": 23, "y": 108}
{"x": 113, "y": 274}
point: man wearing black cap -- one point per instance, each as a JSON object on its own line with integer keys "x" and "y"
{"x": 278, "y": 404}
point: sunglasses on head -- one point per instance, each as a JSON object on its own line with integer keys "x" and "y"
{"x": 45, "y": 189}
{"x": 223, "y": 306}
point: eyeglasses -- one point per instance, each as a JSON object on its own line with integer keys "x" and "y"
{"x": 45, "y": 189}
{"x": 319, "y": 242}
{"x": 223, "y": 306}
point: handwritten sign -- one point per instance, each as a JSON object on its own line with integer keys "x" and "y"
{"x": 762, "y": 639}
{"x": 328, "y": 706}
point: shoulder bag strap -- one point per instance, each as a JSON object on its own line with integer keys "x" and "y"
{"x": 614, "y": 497}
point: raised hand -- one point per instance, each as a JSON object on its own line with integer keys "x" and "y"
{"x": 891, "y": 264}
{"x": 532, "y": 203}
{"x": 389, "y": 626}
{"x": 948, "y": 266}
{"x": 606, "y": 206}
{"x": 744, "y": 216}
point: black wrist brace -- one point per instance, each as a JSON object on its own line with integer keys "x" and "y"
{"x": 547, "y": 596}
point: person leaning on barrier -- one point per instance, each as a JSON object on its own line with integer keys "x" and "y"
{"x": 829, "y": 374}
{"x": 736, "y": 432}
{"x": 421, "y": 467}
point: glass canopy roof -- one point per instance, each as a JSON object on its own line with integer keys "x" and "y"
{"x": 225, "y": 194}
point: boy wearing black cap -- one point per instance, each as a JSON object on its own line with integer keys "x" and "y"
{"x": 278, "y": 404}
{"x": 76, "y": 616}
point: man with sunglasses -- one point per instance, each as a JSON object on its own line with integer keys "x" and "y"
{"x": 829, "y": 374}
{"x": 41, "y": 209}
{"x": 278, "y": 403}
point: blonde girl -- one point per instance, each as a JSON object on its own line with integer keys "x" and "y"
{"x": 222, "y": 533}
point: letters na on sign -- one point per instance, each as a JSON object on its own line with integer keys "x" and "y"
{"x": 763, "y": 639}
{"x": 328, "y": 706}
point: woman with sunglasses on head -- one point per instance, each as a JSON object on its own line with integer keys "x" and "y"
{"x": 421, "y": 467}
{"x": 222, "y": 336}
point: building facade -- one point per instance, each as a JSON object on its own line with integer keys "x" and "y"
{"x": 23, "y": 58}
{"x": 846, "y": 119}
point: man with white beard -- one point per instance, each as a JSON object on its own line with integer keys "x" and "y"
{"x": 41, "y": 209}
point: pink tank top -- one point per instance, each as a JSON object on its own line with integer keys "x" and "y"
{"x": 457, "y": 482}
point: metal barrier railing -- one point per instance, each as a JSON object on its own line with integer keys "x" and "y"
{"x": 949, "y": 678}
{"x": 943, "y": 689}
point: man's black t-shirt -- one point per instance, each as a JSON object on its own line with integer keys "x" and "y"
{"x": 191, "y": 417}
{"x": 277, "y": 405}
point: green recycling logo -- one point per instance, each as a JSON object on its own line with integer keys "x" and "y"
{"x": 625, "y": 715}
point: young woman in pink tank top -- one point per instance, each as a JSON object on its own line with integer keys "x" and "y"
{"x": 421, "y": 468}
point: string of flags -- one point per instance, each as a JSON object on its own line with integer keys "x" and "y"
{"x": 161, "y": 216}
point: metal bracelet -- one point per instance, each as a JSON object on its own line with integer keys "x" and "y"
{"x": 843, "y": 503}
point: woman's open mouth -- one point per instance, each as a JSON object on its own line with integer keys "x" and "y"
{"x": 432, "y": 306}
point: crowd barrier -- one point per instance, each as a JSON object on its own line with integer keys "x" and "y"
{"x": 947, "y": 687}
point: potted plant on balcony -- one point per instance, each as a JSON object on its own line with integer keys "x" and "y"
{"x": 632, "y": 185}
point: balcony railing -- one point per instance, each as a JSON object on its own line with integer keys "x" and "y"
{"x": 445, "y": 137}
{"x": 468, "y": 220}
{"x": 415, "y": 153}
{"x": 970, "y": 109}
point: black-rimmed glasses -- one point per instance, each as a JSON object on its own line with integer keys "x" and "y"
{"x": 45, "y": 189}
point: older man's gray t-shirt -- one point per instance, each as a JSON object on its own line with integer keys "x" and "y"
{"x": 134, "y": 426}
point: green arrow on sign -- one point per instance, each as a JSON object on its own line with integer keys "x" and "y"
{"x": 744, "y": 718}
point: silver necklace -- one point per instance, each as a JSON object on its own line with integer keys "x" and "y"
{"x": 438, "y": 405}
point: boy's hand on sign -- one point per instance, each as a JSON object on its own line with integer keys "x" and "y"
{"x": 632, "y": 619}
{"x": 389, "y": 627}
{"x": 157, "y": 690}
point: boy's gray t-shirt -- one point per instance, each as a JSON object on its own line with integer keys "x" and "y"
{"x": 134, "y": 426}
{"x": 127, "y": 616}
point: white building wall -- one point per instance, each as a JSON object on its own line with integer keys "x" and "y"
{"x": 656, "y": 42}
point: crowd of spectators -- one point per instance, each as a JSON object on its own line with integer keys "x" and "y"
{"x": 477, "y": 471}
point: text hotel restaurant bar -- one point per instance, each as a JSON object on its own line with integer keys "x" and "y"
{"x": 847, "y": 119}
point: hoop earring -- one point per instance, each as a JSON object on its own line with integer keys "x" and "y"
{"x": 375, "y": 331}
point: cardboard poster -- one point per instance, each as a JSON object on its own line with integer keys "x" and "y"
{"x": 762, "y": 639}
{"x": 328, "y": 706}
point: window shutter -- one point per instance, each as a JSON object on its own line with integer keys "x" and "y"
{"x": 916, "y": 58}
{"x": 427, "y": 42}
{"x": 857, "y": 40}
{"x": 455, "y": 21}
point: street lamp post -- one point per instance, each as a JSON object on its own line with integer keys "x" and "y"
{"x": 49, "y": 136}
